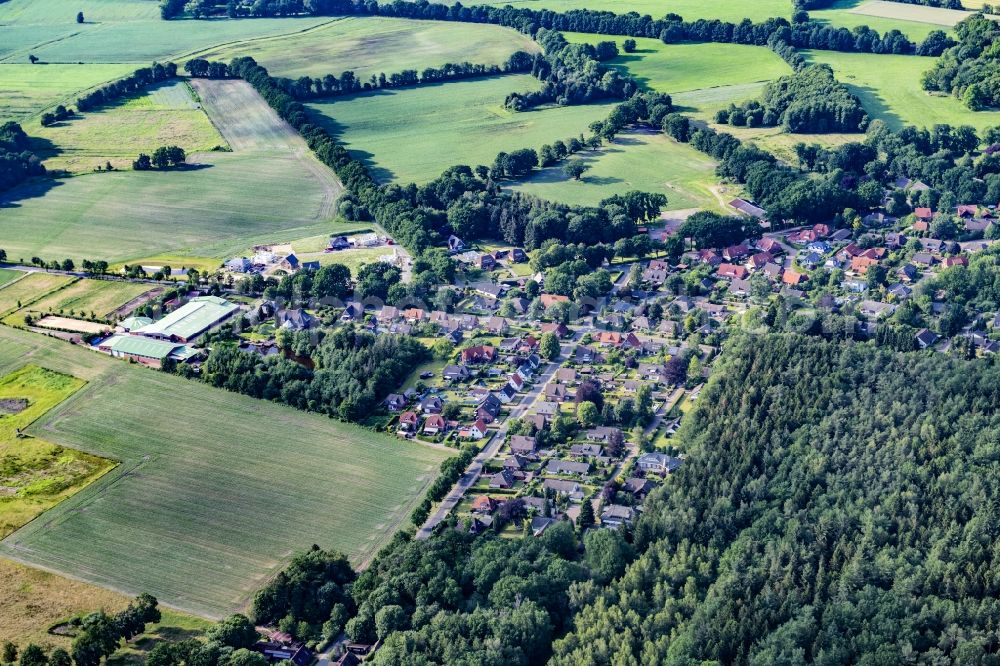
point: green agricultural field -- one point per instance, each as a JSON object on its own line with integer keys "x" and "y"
{"x": 702, "y": 104}
{"x": 889, "y": 88}
{"x": 373, "y": 45}
{"x": 725, "y": 10}
{"x": 36, "y": 475}
{"x": 413, "y": 134}
{"x": 125, "y": 31}
{"x": 167, "y": 114}
{"x": 27, "y": 90}
{"x": 635, "y": 161}
{"x": 675, "y": 68}
{"x": 914, "y": 21}
{"x": 100, "y": 297}
{"x": 198, "y": 211}
{"x": 29, "y": 288}
{"x": 214, "y": 491}
{"x": 8, "y": 275}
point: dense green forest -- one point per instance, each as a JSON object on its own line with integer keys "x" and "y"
{"x": 838, "y": 506}
{"x": 970, "y": 70}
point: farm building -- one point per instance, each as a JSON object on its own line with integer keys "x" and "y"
{"x": 191, "y": 319}
{"x": 145, "y": 351}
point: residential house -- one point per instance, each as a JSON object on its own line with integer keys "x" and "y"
{"x": 925, "y": 338}
{"x": 602, "y": 433}
{"x": 563, "y": 487}
{"x": 659, "y": 463}
{"x": 793, "y": 278}
{"x": 876, "y": 309}
{"x": 435, "y": 424}
{"x": 489, "y": 409}
{"x": 479, "y": 354}
{"x": 478, "y": 430}
{"x": 523, "y": 445}
{"x": 616, "y": 515}
{"x": 567, "y": 467}
{"x": 560, "y": 330}
{"x": 502, "y": 480}
{"x": 732, "y": 271}
{"x": 586, "y": 450}
{"x": 395, "y": 402}
{"x": 455, "y": 373}
{"x": 431, "y": 404}
{"x": 409, "y": 421}
{"x": 507, "y": 394}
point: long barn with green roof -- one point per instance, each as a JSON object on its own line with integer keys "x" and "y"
{"x": 191, "y": 319}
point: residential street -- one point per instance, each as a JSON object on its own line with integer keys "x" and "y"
{"x": 471, "y": 475}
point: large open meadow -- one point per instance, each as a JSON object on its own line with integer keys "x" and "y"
{"x": 26, "y": 90}
{"x": 373, "y": 45}
{"x": 168, "y": 114}
{"x": 913, "y": 20}
{"x": 214, "y": 490}
{"x": 635, "y": 161}
{"x": 413, "y": 134}
{"x": 889, "y": 88}
{"x": 202, "y": 210}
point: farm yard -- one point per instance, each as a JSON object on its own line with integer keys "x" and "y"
{"x": 36, "y": 475}
{"x": 374, "y": 45}
{"x": 442, "y": 125}
{"x": 165, "y": 114}
{"x": 122, "y": 216}
{"x": 187, "y": 514}
{"x": 889, "y": 89}
{"x": 634, "y": 161}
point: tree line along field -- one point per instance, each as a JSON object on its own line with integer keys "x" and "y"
{"x": 913, "y": 20}
{"x": 25, "y": 90}
{"x": 374, "y": 45}
{"x": 413, "y": 134}
{"x": 633, "y": 161}
{"x": 214, "y": 491}
{"x": 724, "y": 10}
{"x": 165, "y": 114}
{"x": 197, "y": 211}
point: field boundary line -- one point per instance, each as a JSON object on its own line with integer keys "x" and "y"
{"x": 40, "y": 296}
{"x": 194, "y": 54}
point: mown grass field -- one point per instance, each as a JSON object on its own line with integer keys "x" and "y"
{"x": 889, "y": 88}
{"x": 29, "y": 288}
{"x": 726, "y": 10}
{"x": 205, "y": 210}
{"x": 35, "y": 475}
{"x": 914, "y": 21}
{"x": 8, "y": 275}
{"x": 635, "y": 161}
{"x": 167, "y": 114}
{"x": 373, "y": 45}
{"x": 413, "y": 134}
{"x": 26, "y": 90}
{"x": 120, "y": 31}
{"x": 214, "y": 492}
{"x": 85, "y": 298}
{"x": 675, "y": 68}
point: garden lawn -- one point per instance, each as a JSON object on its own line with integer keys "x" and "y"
{"x": 215, "y": 490}
{"x": 889, "y": 88}
{"x": 31, "y": 287}
{"x": 219, "y": 204}
{"x": 167, "y": 114}
{"x": 635, "y": 161}
{"x": 35, "y": 474}
{"x": 414, "y": 134}
{"x": 725, "y": 10}
{"x": 374, "y": 45}
{"x": 674, "y": 68}
{"x": 27, "y": 90}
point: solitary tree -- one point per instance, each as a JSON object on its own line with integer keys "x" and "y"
{"x": 32, "y": 58}
{"x": 548, "y": 346}
{"x": 79, "y": 17}
{"x": 575, "y": 169}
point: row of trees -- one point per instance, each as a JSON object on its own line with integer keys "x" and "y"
{"x": 808, "y": 101}
{"x": 128, "y": 85}
{"x": 670, "y": 28}
{"x": 17, "y": 162}
{"x": 163, "y": 157}
{"x": 59, "y": 113}
{"x": 970, "y": 70}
